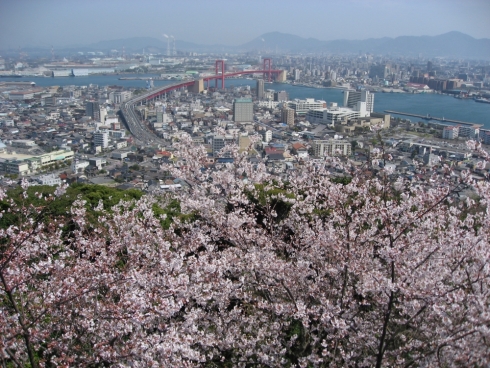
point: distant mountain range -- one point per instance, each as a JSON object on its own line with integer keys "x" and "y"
{"x": 452, "y": 44}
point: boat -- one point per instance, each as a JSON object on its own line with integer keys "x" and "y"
{"x": 482, "y": 100}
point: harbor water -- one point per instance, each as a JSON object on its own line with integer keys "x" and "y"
{"x": 436, "y": 105}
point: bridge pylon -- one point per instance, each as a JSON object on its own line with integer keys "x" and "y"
{"x": 268, "y": 66}
{"x": 220, "y": 64}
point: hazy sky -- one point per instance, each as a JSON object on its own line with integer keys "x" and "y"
{"x": 233, "y": 22}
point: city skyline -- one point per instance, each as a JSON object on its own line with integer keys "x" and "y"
{"x": 58, "y": 23}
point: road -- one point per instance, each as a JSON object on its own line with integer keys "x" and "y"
{"x": 138, "y": 129}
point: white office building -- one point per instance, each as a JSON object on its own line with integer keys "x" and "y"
{"x": 450, "y": 132}
{"x": 470, "y": 131}
{"x": 49, "y": 179}
{"x": 102, "y": 114}
{"x": 335, "y": 114}
{"x": 356, "y": 100}
{"x": 331, "y": 147}
{"x": 297, "y": 74}
{"x": 101, "y": 138}
{"x": 268, "y": 104}
{"x": 163, "y": 117}
{"x": 268, "y": 136}
{"x": 119, "y": 97}
{"x": 301, "y": 107}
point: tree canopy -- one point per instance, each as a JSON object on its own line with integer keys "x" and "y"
{"x": 248, "y": 269}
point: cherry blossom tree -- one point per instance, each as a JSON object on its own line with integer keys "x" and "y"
{"x": 324, "y": 266}
{"x": 75, "y": 294}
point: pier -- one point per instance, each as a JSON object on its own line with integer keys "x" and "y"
{"x": 428, "y": 117}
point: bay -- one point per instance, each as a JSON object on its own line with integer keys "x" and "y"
{"x": 436, "y": 105}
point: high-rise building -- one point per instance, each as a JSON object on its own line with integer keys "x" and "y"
{"x": 297, "y": 74}
{"x": 92, "y": 109}
{"x": 287, "y": 116}
{"x": 437, "y": 84}
{"x": 429, "y": 66}
{"x": 470, "y": 131}
{"x": 268, "y": 135}
{"x": 101, "y": 138}
{"x": 450, "y": 132}
{"x": 281, "y": 77}
{"x": 281, "y": 96}
{"x": 356, "y": 99}
{"x": 453, "y": 83}
{"x": 260, "y": 89}
{"x": 379, "y": 70}
{"x": 243, "y": 110}
{"x": 102, "y": 115}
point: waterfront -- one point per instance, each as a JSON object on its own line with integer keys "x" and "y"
{"x": 434, "y": 104}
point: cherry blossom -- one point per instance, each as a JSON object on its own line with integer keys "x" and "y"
{"x": 259, "y": 269}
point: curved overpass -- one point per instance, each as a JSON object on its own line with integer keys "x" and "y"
{"x": 140, "y": 131}
{"x": 137, "y": 128}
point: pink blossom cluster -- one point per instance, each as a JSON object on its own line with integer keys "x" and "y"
{"x": 259, "y": 270}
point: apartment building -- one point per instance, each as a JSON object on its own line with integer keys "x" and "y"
{"x": 331, "y": 147}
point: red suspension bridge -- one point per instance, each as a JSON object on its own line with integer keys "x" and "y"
{"x": 197, "y": 85}
{"x": 141, "y": 132}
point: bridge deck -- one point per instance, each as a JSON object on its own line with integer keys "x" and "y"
{"x": 142, "y": 131}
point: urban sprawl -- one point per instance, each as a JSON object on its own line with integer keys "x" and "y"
{"x": 121, "y": 136}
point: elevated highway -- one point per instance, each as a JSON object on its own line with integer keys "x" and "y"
{"x": 142, "y": 133}
{"x": 138, "y": 129}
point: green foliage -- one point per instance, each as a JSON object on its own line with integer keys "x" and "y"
{"x": 168, "y": 213}
{"x": 94, "y": 193}
{"x": 57, "y": 207}
{"x": 270, "y": 198}
{"x": 344, "y": 180}
{"x": 300, "y": 347}
{"x": 265, "y": 195}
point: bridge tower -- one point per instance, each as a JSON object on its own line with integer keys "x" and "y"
{"x": 268, "y": 67}
{"x": 220, "y": 64}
